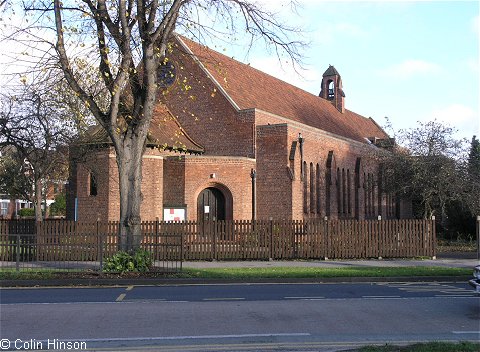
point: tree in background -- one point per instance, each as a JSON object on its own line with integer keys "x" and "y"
{"x": 14, "y": 178}
{"x": 473, "y": 175}
{"x": 128, "y": 40}
{"x": 34, "y": 125}
{"x": 428, "y": 166}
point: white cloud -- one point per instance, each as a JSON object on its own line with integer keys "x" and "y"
{"x": 475, "y": 26}
{"x": 464, "y": 118}
{"x": 410, "y": 68}
{"x": 308, "y": 79}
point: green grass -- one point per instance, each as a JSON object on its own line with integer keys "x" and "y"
{"x": 257, "y": 273}
{"x": 425, "y": 347}
{"x": 311, "y": 272}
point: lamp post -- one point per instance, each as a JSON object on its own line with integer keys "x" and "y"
{"x": 478, "y": 237}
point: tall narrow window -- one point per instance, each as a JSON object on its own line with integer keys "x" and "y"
{"x": 372, "y": 195}
{"x": 305, "y": 188}
{"x": 312, "y": 189}
{"x": 365, "y": 194}
{"x": 349, "y": 194}
{"x": 317, "y": 174}
{"x": 344, "y": 193}
{"x": 339, "y": 191}
{"x": 92, "y": 189}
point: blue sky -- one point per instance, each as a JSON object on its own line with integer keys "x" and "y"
{"x": 410, "y": 61}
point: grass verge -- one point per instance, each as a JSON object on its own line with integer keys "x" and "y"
{"x": 310, "y": 272}
{"x": 250, "y": 273}
{"x": 425, "y": 347}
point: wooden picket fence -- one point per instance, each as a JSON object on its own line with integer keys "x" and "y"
{"x": 69, "y": 241}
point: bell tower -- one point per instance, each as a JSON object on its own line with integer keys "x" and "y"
{"x": 332, "y": 88}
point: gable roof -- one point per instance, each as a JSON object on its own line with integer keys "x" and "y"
{"x": 249, "y": 88}
{"x": 165, "y": 133}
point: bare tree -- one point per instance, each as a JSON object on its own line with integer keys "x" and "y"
{"x": 127, "y": 40}
{"x": 427, "y": 167}
{"x": 33, "y": 125}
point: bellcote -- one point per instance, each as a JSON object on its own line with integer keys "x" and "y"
{"x": 332, "y": 88}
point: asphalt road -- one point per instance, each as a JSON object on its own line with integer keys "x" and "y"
{"x": 253, "y": 317}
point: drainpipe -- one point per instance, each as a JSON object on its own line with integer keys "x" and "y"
{"x": 253, "y": 175}
{"x": 300, "y": 141}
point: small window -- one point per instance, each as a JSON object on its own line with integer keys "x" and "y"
{"x": 166, "y": 74}
{"x": 92, "y": 185}
{"x": 4, "y": 208}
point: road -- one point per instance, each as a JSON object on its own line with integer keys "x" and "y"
{"x": 253, "y": 317}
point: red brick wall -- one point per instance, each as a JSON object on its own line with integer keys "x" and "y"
{"x": 229, "y": 174}
{"x": 92, "y": 208}
{"x": 316, "y": 148}
{"x": 274, "y": 185}
{"x": 207, "y": 116}
{"x": 106, "y": 204}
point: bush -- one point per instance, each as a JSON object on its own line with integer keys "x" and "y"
{"x": 26, "y": 212}
{"x": 121, "y": 262}
{"x": 59, "y": 207}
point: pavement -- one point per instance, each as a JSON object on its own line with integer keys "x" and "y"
{"x": 451, "y": 260}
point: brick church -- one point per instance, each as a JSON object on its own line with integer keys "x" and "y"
{"x": 228, "y": 141}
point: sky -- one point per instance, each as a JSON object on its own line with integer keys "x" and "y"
{"x": 409, "y": 61}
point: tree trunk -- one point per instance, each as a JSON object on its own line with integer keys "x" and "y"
{"x": 129, "y": 160}
{"x": 38, "y": 199}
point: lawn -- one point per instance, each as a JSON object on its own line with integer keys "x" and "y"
{"x": 252, "y": 273}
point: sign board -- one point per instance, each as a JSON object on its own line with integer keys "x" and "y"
{"x": 174, "y": 214}
{"x": 206, "y": 209}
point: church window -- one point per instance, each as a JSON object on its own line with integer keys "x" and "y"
{"x": 305, "y": 188}
{"x": 318, "y": 188}
{"x": 344, "y": 193}
{"x": 349, "y": 195}
{"x": 92, "y": 185}
{"x": 312, "y": 189}
{"x": 166, "y": 74}
{"x": 339, "y": 192}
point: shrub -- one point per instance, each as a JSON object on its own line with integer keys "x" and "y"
{"x": 26, "y": 212}
{"x": 59, "y": 207}
{"x": 121, "y": 262}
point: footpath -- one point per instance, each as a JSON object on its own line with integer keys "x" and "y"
{"x": 451, "y": 260}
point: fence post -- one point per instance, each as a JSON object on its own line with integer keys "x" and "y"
{"x": 327, "y": 247}
{"x": 100, "y": 245}
{"x": 271, "y": 238}
{"x": 433, "y": 239}
{"x": 17, "y": 259}
{"x": 379, "y": 236}
{"x": 214, "y": 234}
{"x": 478, "y": 237}
{"x": 157, "y": 240}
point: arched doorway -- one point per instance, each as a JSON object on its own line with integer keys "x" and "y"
{"x": 211, "y": 205}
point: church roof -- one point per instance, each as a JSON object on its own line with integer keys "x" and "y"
{"x": 165, "y": 133}
{"x": 250, "y": 88}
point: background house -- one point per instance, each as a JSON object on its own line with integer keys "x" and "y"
{"x": 228, "y": 141}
